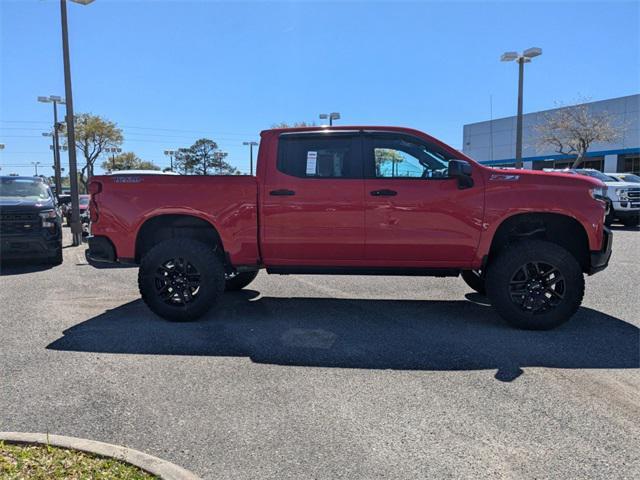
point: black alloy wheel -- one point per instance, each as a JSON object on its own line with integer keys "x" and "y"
{"x": 537, "y": 287}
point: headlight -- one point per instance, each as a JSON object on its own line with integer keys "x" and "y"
{"x": 623, "y": 194}
{"x": 599, "y": 193}
{"x": 48, "y": 218}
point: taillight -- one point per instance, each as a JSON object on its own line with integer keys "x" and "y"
{"x": 95, "y": 188}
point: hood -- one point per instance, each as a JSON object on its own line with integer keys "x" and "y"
{"x": 622, "y": 185}
{"x": 542, "y": 177}
{"x": 20, "y": 203}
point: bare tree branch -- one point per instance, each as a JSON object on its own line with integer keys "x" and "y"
{"x": 573, "y": 129}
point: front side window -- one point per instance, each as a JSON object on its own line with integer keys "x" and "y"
{"x": 318, "y": 157}
{"x": 405, "y": 158}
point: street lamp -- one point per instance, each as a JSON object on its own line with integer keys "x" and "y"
{"x": 521, "y": 58}
{"x": 60, "y": 147}
{"x": 76, "y": 226}
{"x": 56, "y": 159}
{"x": 55, "y": 99}
{"x": 251, "y": 145}
{"x": 35, "y": 164}
{"x": 112, "y": 151}
{"x": 170, "y": 154}
{"x": 331, "y": 116}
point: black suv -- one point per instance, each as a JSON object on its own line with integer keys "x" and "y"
{"x": 30, "y": 220}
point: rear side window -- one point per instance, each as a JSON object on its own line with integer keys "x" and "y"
{"x": 319, "y": 157}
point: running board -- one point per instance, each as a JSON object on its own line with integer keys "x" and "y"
{"x": 415, "y": 272}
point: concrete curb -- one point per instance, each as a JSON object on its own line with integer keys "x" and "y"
{"x": 153, "y": 465}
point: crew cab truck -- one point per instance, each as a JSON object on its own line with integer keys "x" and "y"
{"x": 356, "y": 200}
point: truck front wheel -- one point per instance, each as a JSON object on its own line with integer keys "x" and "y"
{"x": 181, "y": 279}
{"x": 535, "y": 285}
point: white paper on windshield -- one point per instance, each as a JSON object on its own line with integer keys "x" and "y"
{"x": 312, "y": 158}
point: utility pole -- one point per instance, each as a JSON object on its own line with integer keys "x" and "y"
{"x": 76, "y": 226}
{"x": 251, "y": 145}
{"x": 35, "y": 164}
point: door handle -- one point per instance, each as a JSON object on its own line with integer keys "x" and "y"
{"x": 384, "y": 193}
{"x": 282, "y": 192}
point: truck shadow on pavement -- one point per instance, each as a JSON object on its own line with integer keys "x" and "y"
{"x": 18, "y": 268}
{"x": 362, "y": 333}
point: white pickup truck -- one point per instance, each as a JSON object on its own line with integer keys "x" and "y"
{"x": 624, "y": 196}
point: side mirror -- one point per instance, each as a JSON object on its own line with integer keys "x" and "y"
{"x": 461, "y": 170}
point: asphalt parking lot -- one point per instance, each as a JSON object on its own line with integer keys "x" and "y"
{"x": 328, "y": 377}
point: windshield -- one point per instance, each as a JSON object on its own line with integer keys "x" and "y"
{"x": 84, "y": 199}
{"x": 24, "y": 188}
{"x": 630, "y": 178}
{"x": 596, "y": 174}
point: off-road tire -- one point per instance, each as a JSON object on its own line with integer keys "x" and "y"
{"x": 502, "y": 269}
{"x": 239, "y": 280}
{"x": 475, "y": 279}
{"x": 206, "y": 262}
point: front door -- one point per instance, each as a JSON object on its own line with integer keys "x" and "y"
{"x": 313, "y": 201}
{"x": 416, "y": 215}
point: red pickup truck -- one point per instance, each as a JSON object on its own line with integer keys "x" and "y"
{"x": 356, "y": 200}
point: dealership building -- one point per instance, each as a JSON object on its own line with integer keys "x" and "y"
{"x": 493, "y": 142}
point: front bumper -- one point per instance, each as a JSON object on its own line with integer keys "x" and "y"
{"x": 626, "y": 209}
{"x": 32, "y": 246}
{"x": 600, "y": 258}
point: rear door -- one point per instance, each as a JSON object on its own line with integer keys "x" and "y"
{"x": 416, "y": 216}
{"x": 313, "y": 201}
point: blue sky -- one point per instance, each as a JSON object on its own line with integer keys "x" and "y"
{"x": 171, "y": 72}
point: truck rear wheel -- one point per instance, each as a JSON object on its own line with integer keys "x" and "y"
{"x": 475, "y": 279}
{"x": 181, "y": 279}
{"x": 237, "y": 281}
{"x": 535, "y": 285}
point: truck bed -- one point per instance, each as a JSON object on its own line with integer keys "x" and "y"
{"x": 125, "y": 203}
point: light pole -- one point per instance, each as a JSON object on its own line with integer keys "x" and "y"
{"x": 35, "y": 165}
{"x": 170, "y": 154}
{"x": 331, "y": 116}
{"x": 521, "y": 58}
{"x": 55, "y": 99}
{"x": 251, "y": 145}
{"x": 112, "y": 151}
{"x": 76, "y": 226}
{"x": 56, "y": 160}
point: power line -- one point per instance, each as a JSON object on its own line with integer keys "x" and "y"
{"x": 208, "y": 132}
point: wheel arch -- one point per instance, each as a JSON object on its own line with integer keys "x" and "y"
{"x": 165, "y": 226}
{"x": 557, "y": 228}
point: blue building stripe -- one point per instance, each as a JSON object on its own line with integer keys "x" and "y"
{"x": 600, "y": 153}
